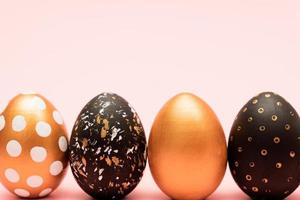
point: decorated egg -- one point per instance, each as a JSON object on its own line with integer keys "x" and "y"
{"x": 108, "y": 147}
{"x": 263, "y": 149}
{"x": 187, "y": 148}
{"x": 33, "y": 146}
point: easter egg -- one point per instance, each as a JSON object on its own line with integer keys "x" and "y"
{"x": 187, "y": 148}
{"x": 263, "y": 149}
{"x": 108, "y": 147}
{"x": 33, "y": 146}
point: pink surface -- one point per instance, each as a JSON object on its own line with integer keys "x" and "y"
{"x": 225, "y": 51}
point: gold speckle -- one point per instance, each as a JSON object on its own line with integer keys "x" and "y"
{"x": 248, "y": 178}
{"x": 231, "y": 138}
{"x": 125, "y": 185}
{"x": 262, "y": 128}
{"x": 84, "y": 142}
{"x": 110, "y": 184}
{"x": 245, "y": 109}
{"x": 292, "y": 113}
{"x": 292, "y": 154}
{"x": 103, "y": 132}
{"x": 250, "y": 139}
{"x": 245, "y": 188}
{"x": 254, "y": 101}
{"x": 233, "y": 172}
{"x": 251, "y": 164}
{"x": 278, "y": 165}
{"x": 254, "y": 189}
{"x": 274, "y": 118}
{"x": 83, "y": 160}
{"x": 279, "y": 103}
{"x": 250, "y": 119}
{"x": 236, "y": 163}
{"x": 108, "y": 161}
{"x": 276, "y": 140}
{"x": 115, "y": 160}
{"x": 82, "y": 173}
{"x": 267, "y": 95}
{"x": 263, "y": 152}
{"x": 239, "y": 128}
{"x": 265, "y": 180}
{"x": 287, "y": 127}
{"x": 260, "y": 110}
{"x": 105, "y": 122}
{"x": 98, "y": 119}
{"x": 138, "y": 129}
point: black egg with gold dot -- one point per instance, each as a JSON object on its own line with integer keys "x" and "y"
{"x": 108, "y": 147}
{"x": 264, "y": 147}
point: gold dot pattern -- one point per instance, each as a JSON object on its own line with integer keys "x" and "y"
{"x": 250, "y": 119}
{"x": 260, "y": 110}
{"x": 239, "y": 128}
{"x": 254, "y": 189}
{"x": 274, "y": 118}
{"x": 264, "y": 153}
{"x": 287, "y": 127}
{"x": 240, "y": 149}
{"x": 248, "y": 178}
{"x": 278, "y": 165}
{"x": 262, "y": 128}
{"x": 236, "y": 163}
{"x": 292, "y": 154}
{"x": 265, "y": 180}
{"x": 276, "y": 140}
{"x": 251, "y": 164}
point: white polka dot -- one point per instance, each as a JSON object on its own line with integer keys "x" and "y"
{"x": 43, "y": 129}
{"x": 39, "y": 103}
{"x": 56, "y": 168}
{"x": 12, "y": 175}
{"x": 45, "y": 192}
{"x": 38, "y": 154}
{"x": 34, "y": 181}
{"x": 2, "y": 122}
{"x": 22, "y": 192}
{"x": 18, "y": 123}
{"x": 57, "y": 117}
{"x": 13, "y": 148}
{"x": 62, "y": 143}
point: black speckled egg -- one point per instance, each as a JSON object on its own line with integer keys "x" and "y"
{"x": 263, "y": 149}
{"x": 108, "y": 148}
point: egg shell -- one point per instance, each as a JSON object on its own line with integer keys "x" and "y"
{"x": 33, "y": 146}
{"x": 263, "y": 149}
{"x": 108, "y": 147}
{"x": 187, "y": 148}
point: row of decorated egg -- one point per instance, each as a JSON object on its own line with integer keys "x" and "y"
{"x": 187, "y": 147}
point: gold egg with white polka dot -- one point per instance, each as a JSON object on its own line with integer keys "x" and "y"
{"x": 33, "y": 146}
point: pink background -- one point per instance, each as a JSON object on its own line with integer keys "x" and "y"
{"x": 225, "y": 51}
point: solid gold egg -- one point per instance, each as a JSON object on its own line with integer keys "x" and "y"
{"x": 33, "y": 146}
{"x": 187, "y": 148}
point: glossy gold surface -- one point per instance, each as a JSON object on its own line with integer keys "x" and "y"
{"x": 187, "y": 148}
{"x": 33, "y": 156}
